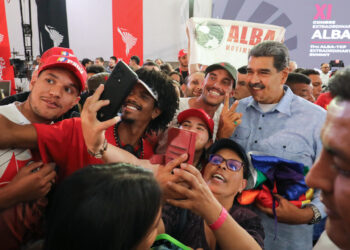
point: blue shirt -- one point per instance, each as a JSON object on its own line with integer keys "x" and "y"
{"x": 291, "y": 130}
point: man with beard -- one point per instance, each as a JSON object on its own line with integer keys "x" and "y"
{"x": 194, "y": 84}
{"x": 149, "y": 107}
{"x": 278, "y": 123}
{"x": 219, "y": 81}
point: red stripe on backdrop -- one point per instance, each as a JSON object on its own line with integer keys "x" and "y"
{"x": 127, "y": 19}
{"x": 6, "y": 70}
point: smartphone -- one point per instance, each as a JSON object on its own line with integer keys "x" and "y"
{"x": 165, "y": 241}
{"x": 117, "y": 88}
{"x": 180, "y": 141}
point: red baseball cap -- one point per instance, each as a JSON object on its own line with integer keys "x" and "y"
{"x": 201, "y": 114}
{"x": 182, "y": 53}
{"x": 68, "y": 62}
{"x": 59, "y": 51}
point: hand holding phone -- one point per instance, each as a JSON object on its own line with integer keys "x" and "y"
{"x": 116, "y": 89}
{"x": 180, "y": 141}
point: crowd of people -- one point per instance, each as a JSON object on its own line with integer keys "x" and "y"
{"x": 70, "y": 181}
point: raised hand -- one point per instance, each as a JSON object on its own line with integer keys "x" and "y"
{"x": 229, "y": 119}
{"x": 165, "y": 174}
{"x": 198, "y": 197}
{"x": 93, "y": 129}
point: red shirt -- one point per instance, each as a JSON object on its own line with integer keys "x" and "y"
{"x": 147, "y": 147}
{"x": 324, "y": 99}
{"x": 63, "y": 143}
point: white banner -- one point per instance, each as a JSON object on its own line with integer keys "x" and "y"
{"x": 217, "y": 40}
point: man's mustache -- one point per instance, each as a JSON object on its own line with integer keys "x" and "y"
{"x": 256, "y": 85}
{"x": 138, "y": 107}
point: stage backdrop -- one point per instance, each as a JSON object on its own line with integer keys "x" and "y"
{"x": 316, "y": 30}
{"x": 150, "y": 28}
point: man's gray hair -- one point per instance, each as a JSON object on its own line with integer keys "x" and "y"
{"x": 277, "y": 50}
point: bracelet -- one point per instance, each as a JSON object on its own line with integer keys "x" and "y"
{"x": 99, "y": 153}
{"x": 218, "y": 223}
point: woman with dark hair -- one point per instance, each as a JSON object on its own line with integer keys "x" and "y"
{"x": 114, "y": 206}
{"x": 215, "y": 220}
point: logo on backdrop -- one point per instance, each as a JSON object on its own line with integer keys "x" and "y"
{"x": 55, "y": 36}
{"x": 209, "y": 35}
{"x": 128, "y": 39}
{"x": 2, "y": 66}
{"x": 1, "y": 38}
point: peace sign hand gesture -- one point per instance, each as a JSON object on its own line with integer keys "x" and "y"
{"x": 229, "y": 119}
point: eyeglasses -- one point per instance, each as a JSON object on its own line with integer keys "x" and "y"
{"x": 233, "y": 165}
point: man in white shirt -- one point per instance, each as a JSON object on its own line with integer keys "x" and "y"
{"x": 324, "y": 74}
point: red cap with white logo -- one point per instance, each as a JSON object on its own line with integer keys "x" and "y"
{"x": 68, "y": 62}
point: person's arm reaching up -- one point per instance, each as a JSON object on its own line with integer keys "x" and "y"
{"x": 200, "y": 200}
{"x": 94, "y": 131}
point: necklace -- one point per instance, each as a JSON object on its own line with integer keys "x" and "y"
{"x": 138, "y": 153}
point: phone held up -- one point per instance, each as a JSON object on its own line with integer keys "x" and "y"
{"x": 117, "y": 88}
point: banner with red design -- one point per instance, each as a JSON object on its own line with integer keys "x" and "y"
{"x": 6, "y": 70}
{"x": 127, "y": 19}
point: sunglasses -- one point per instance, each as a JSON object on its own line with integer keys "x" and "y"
{"x": 233, "y": 165}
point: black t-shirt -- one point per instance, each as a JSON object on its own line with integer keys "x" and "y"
{"x": 183, "y": 73}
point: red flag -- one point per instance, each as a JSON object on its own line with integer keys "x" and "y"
{"x": 6, "y": 70}
{"x": 127, "y": 29}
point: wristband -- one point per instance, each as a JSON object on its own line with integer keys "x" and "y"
{"x": 99, "y": 154}
{"x": 218, "y": 223}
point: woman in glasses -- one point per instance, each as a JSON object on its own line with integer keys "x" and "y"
{"x": 215, "y": 220}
